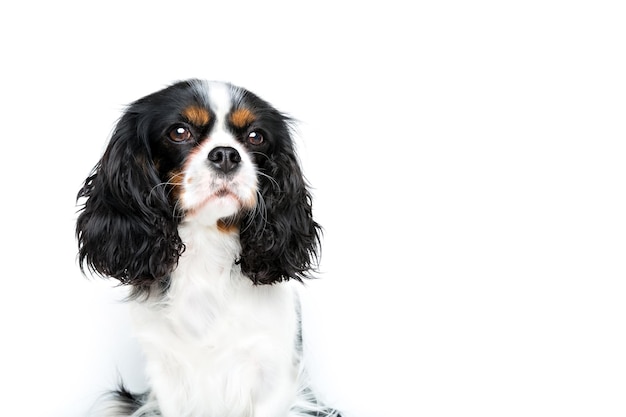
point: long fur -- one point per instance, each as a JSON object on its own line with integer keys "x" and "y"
{"x": 208, "y": 226}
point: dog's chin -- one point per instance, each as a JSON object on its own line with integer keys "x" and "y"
{"x": 212, "y": 211}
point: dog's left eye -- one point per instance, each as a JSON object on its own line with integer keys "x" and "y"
{"x": 255, "y": 138}
{"x": 180, "y": 134}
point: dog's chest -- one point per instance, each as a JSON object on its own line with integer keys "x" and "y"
{"x": 220, "y": 344}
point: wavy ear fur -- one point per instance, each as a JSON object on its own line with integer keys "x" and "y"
{"x": 127, "y": 228}
{"x": 280, "y": 240}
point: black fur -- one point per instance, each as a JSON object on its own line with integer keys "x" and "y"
{"x": 127, "y": 228}
{"x": 128, "y": 403}
{"x": 281, "y": 240}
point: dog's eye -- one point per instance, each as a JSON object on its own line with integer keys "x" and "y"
{"x": 255, "y": 138}
{"x": 180, "y": 134}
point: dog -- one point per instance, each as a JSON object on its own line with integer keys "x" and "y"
{"x": 199, "y": 205}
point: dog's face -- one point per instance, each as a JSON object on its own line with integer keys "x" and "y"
{"x": 209, "y": 143}
{"x": 199, "y": 151}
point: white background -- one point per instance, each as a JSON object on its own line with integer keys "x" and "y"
{"x": 468, "y": 165}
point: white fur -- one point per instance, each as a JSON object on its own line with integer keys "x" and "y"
{"x": 217, "y": 345}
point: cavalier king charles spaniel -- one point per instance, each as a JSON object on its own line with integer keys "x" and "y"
{"x": 199, "y": 205}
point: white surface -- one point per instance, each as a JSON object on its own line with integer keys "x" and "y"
{"x": 468, "y": 165}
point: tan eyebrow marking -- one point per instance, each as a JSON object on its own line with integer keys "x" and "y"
{"x": 241, "y": 118}
{"x": 197, "y": 115}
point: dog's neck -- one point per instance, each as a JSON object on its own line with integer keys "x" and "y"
{"x": 211, "y": 247}
{"x": 206, "y": 276}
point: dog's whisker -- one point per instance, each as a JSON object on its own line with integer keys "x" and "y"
{"x": 260, "y": 211}
{"x": 270, "y": 178}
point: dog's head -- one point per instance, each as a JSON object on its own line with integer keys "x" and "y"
{"x": 204, "y": 152}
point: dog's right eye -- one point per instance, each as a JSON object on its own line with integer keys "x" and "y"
{"x": 180, "y": 134}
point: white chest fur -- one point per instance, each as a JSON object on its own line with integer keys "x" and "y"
{"x": 216, "y": 345}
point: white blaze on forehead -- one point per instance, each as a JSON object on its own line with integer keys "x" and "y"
{"x": 220, "y": 99}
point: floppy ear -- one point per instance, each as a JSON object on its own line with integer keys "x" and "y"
{"x": 127, "y": 228}
{"x": 280, "y": 240}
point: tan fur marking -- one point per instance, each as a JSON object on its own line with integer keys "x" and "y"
{"x": 176, "y": 182}
{"x": 241, "y": 118}
{"x": 227, "y": 226}
{"x": 197, "y": 115}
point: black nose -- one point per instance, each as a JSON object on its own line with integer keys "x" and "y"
{"x": 224, "y": 158}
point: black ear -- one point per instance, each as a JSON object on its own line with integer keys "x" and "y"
{"x": 280, "y": 240}
{"x": 127, "y": 228}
